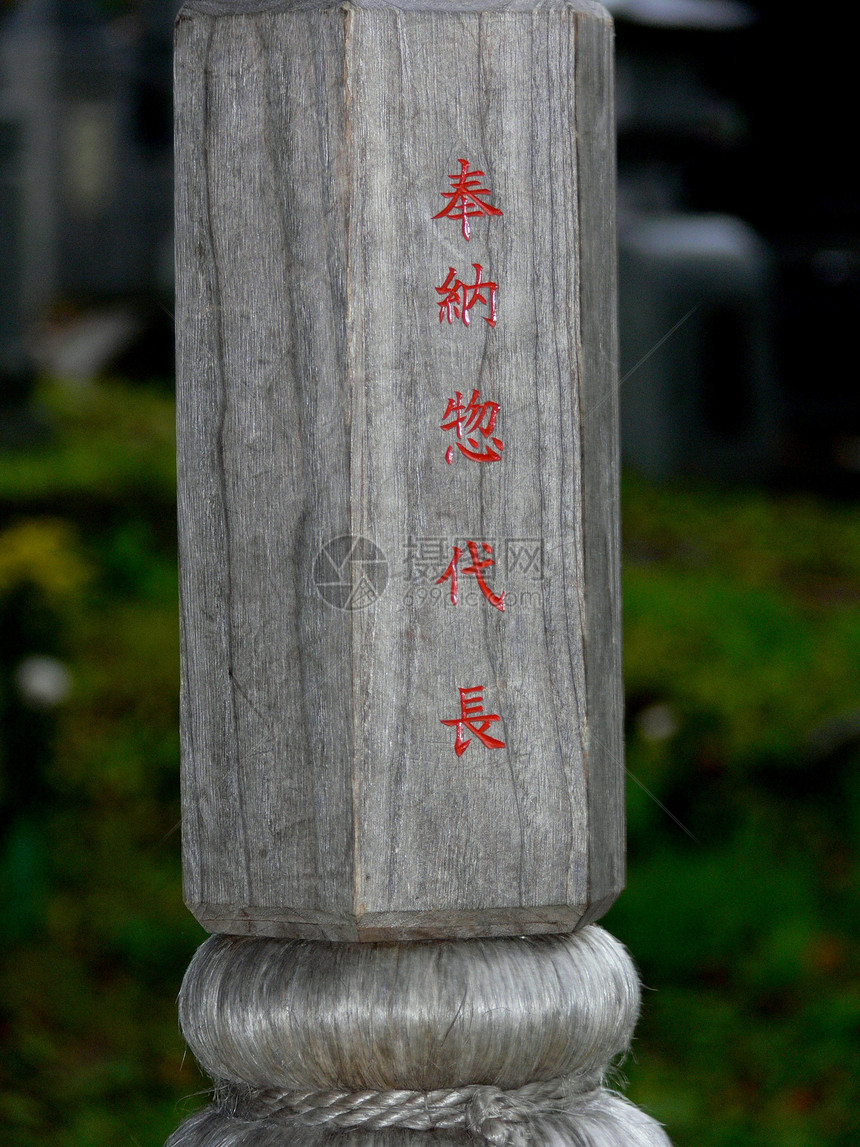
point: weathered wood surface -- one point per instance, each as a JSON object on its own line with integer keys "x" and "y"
{"x": 322, "y": 795}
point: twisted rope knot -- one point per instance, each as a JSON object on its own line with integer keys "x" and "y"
{"x": 497, "y": 1117}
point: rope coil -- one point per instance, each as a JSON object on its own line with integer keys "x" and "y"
{"x": 377, "y": 1045}
{"x": 489, "y": 1114}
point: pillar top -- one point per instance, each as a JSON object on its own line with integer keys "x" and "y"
{"x": 193, "y": 8}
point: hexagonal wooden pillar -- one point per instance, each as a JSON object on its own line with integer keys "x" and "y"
{"x": 401, "y": 706}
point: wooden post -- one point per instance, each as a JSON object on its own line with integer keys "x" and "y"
{"x": 401, "y": 709}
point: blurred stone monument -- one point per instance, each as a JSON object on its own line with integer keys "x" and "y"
{"x": 703, "y": 401}
{"x": 698, "y": 393}
{"x": 93, "y": 168}
{"x": 14, "y": 364}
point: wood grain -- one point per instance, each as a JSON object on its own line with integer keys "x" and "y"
{"x": 322, "y": 795}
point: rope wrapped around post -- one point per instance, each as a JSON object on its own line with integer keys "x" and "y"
{"x": 507, "y": 1042}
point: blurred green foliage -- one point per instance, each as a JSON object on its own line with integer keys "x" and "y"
{"x": 742, "y": 666}
{"x": 95, "y": 938}
{"x": 742, "y": 633}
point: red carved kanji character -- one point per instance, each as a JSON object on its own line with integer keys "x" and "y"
{"x": 467, "y": 199}
{"x": 473, "y": 718}
{"x": 475, "y": 416}
{"x": 451, "y": 572}
{"x": 476, "y": 568}
{"x": 458, "y": 297}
